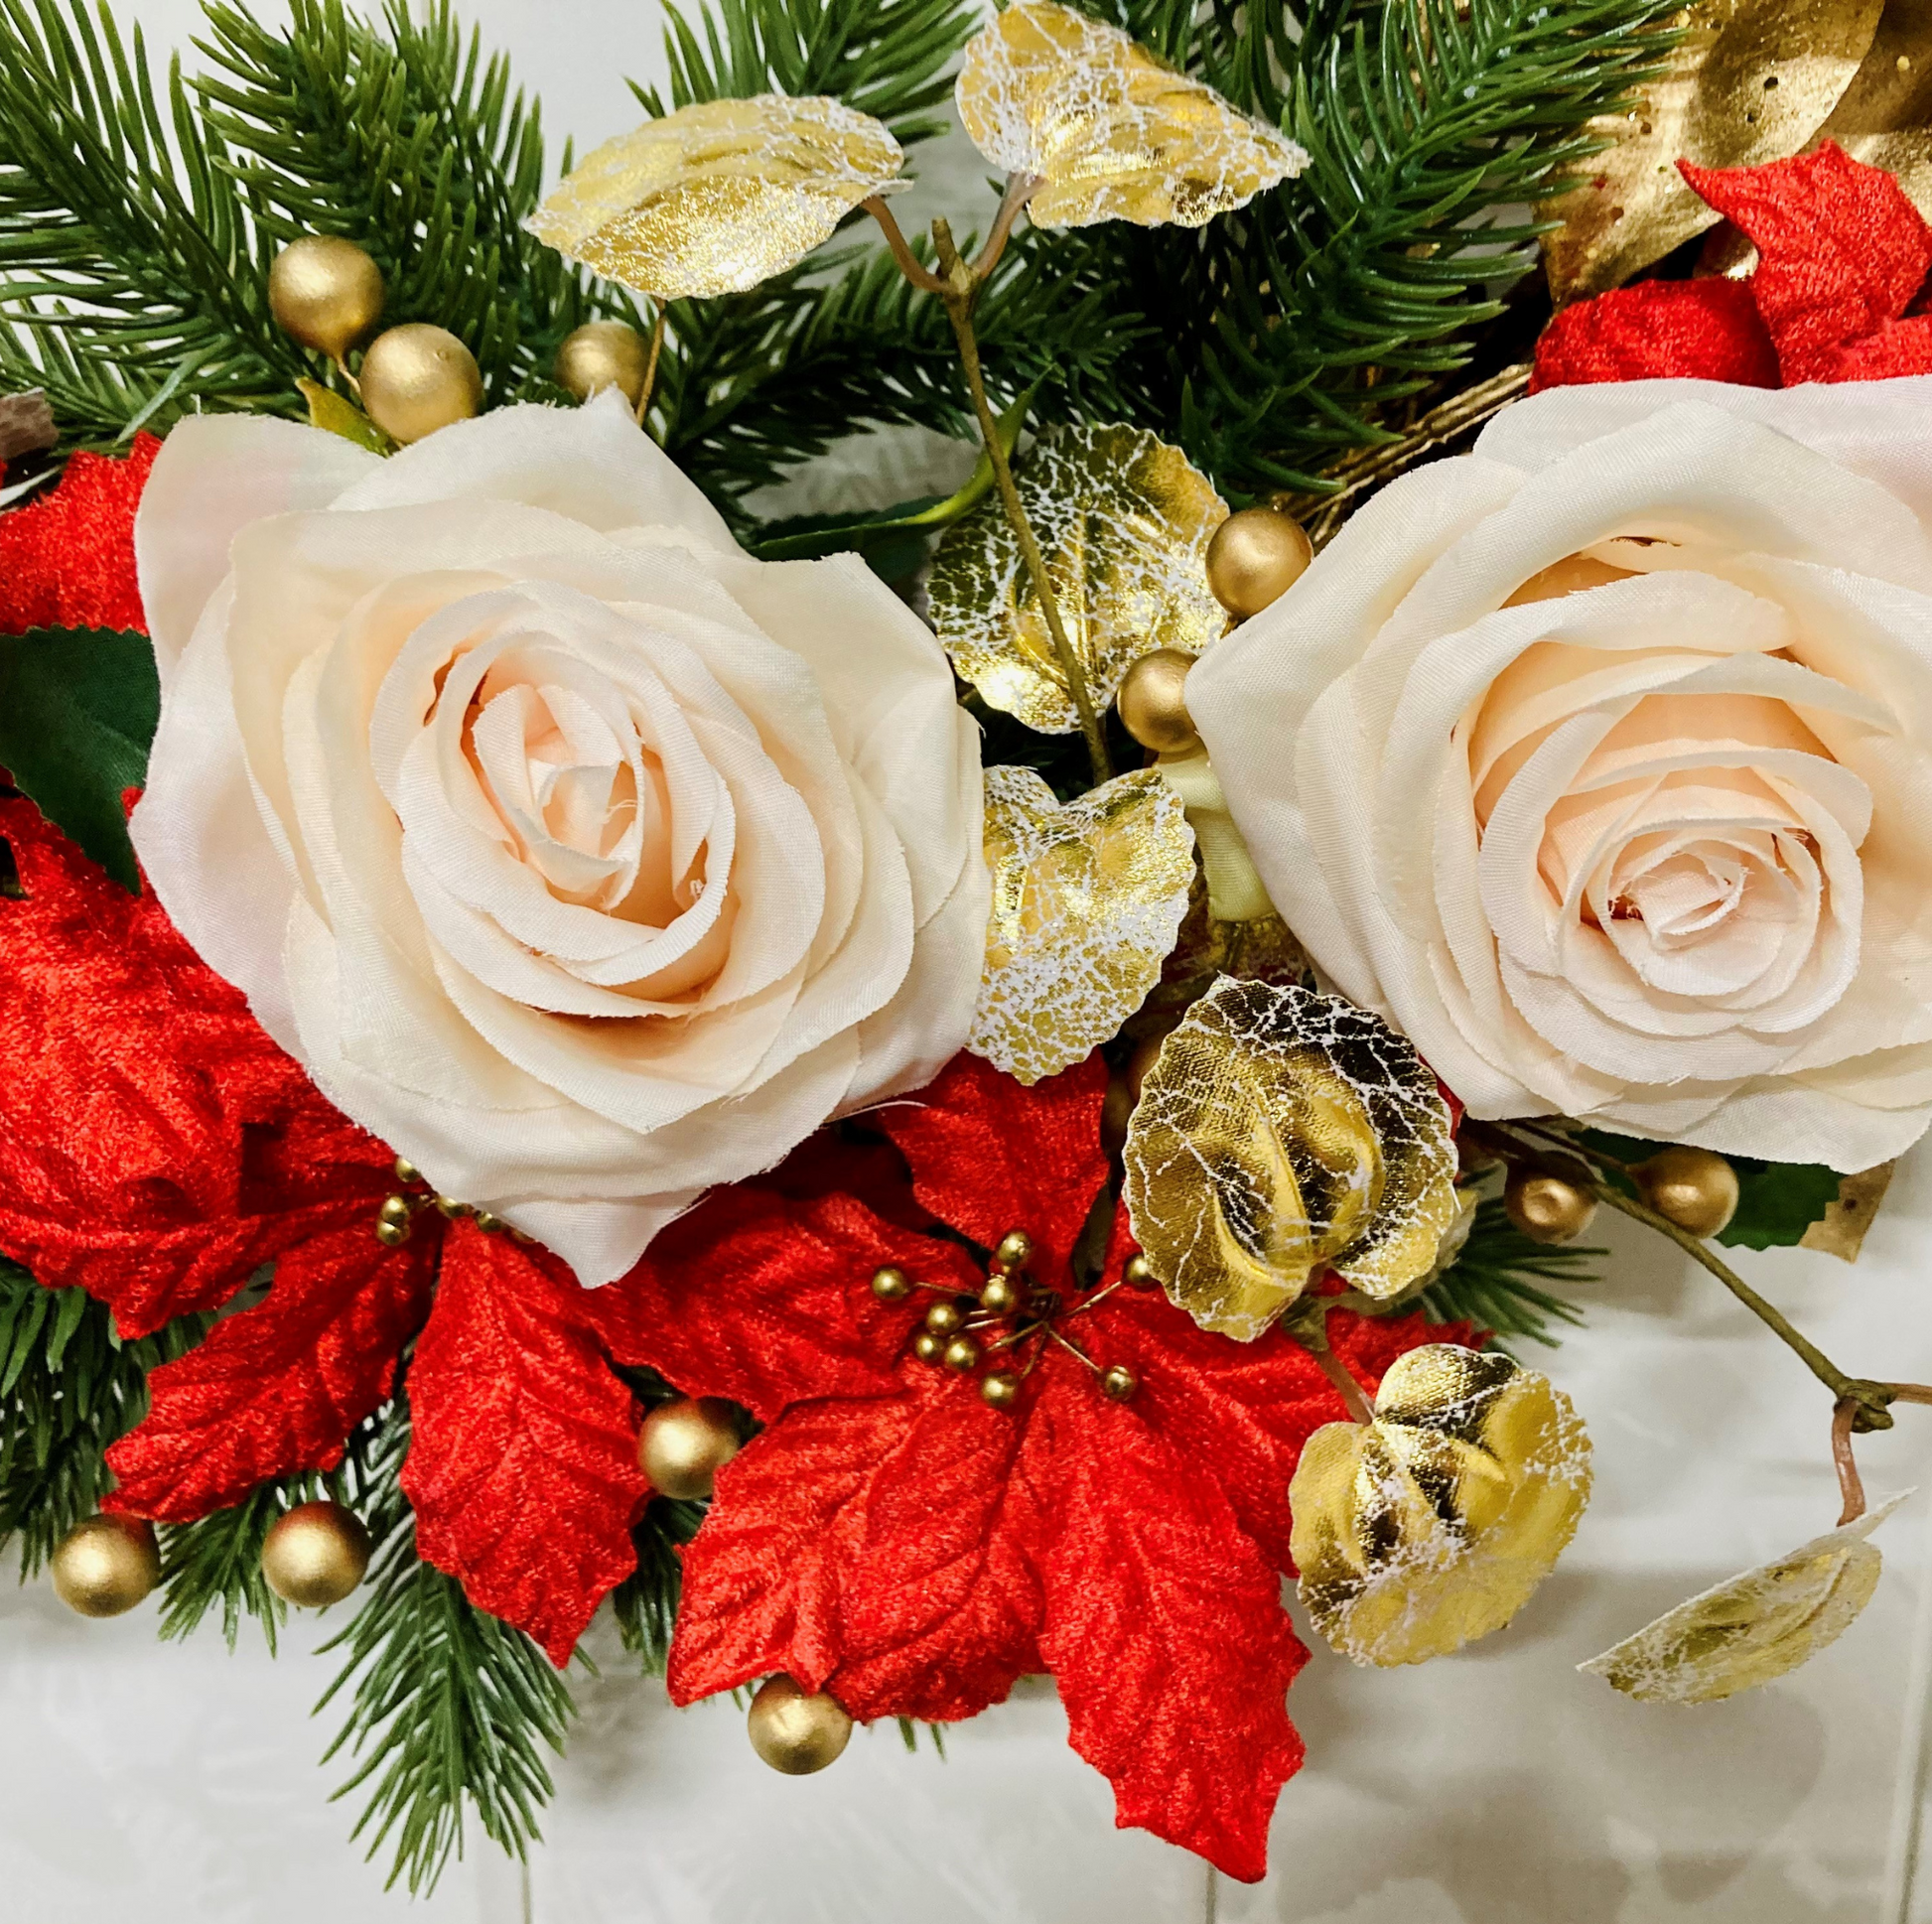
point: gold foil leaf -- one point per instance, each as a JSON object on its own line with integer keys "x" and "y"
{"x": 1749, "y": 82}
{"x": 1883, "y": 116}
{"x": 1433, "y": 1525}
{"x": 715, "y": 197}
{"x": 1087, "y": 900}
{"x": 1111, "y": 132}
{"x": 1124, "y": 521}
{"x": 1280, "y": 1132}
{"x": 1754, "y": 1628}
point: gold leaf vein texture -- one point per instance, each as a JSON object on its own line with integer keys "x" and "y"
{"x": 1280, "y": 1133}
{"x": 1087, "y": 904}
{"x": 1433, "y": 1525}
{"x": 1112, "y": 133}
{"x": 1754, "y": 1628}
{"x": 718, "y": 196}
{"x": 1124, "y": 521}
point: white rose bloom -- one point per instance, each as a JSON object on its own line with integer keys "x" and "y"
{"x": 1601, "y": 760}
{"x": 580, "y": 857}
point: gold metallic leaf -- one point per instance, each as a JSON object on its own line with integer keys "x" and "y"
{"x": 1754, "y": 1628}
{"x": 715, "y": 197}
{"x": 1087, "y": 900}
{"x": 1124, "y": 521}
{"x": 1280, "y": 1132}
{"x": 1883, "y": 116}
{"x": 1433, "y": 1525}
{"x": 1751, "y": 81}
{"x": 1112, "y": 133}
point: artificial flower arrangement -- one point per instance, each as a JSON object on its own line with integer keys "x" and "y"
{"x": 939, "y": 1092}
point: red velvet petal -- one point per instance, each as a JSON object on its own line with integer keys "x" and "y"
{"x": 1659, "y": 330}
{"x": 762, "y": 1576}
{"x": 66, "y": 560}
{"x": 1841, "y": 252}
{"x": 279, "y": 1387}
{"x": 845, "y": 1159}
{"x": 766, "y": 1301}
{"x": 989, "y": 1155}
{"x": 522, "y": 1463}
{"x": 1165, "y": 1630}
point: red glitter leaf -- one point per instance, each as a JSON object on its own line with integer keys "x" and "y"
{"x": 522, "y": 1464}
{"x": 279, "y": 1387}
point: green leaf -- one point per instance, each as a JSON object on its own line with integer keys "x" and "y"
{"x": 334, "y": 415}
{"x": 77, "y": 713}
{"x": 1777, "y": 1203}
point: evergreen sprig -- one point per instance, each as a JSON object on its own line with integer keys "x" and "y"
{"x": 645, "y": 1603}
{"x": 69, "y": 1388}
{"x": 1505, "y": 1283}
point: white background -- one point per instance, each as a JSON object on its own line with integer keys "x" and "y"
{"x": 180, "y": 1785}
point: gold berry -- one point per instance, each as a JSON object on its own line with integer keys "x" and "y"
{"x": 601, "y": 354}
{"x": 943, "y": 1319}
{"x": 418, "y": 378}
{"x": 891, "y": 1285}
{"x": 927, "y": 1347}
{"x": 315, "y": 1555}
{"x": 406, "y": 1170}
{"x": 795, "y": 1732}
{"x": 324, "y": 292}
{"x": 1255, "y": 558}
{"x": 489, "y": 1223}
{"x": 1015, "y": 1251}
{"x": 962, "y": 1354}
{"x": 685, "y": 1443}
{"x": 999, "y": 1390}
{"x": 106, "y": 1565}
{"x": 1139, "y": 1273}
{"x": 1695, "y": 1188}
{"x": 1545, "y": 1208}
{"x": 392, "y": 1235}
{"x": 1153, "y": 702}
{"x": 1119, "y": 1383}
{"x": 395, "y": 1210}
{"x": 1001, "y": 1296}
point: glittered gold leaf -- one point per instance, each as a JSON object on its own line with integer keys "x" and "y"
{"x": 1754, "y": 1628}
{"x": 715, "y": 197}
{"x": 1113, "y": 134}
{"x": 1749, "y": 82}
{"x": 1433, "y": 1525}
{"x": 1087, "y": 900}
{"x": 1882, "y": 118}
{"x": 1124, "y": 522}
{"x": 1279, "y": 1132}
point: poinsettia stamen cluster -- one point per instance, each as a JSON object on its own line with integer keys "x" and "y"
{"x": 395, "y": 1221}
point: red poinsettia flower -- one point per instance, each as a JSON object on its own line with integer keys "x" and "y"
{"x": 894, "y": 1540}
{"x": 1842, "y": 257}
{"x": 67, "y": 561}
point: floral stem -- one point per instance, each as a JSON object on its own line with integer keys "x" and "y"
{"x": 1849, "y": 1485}
{"x": 650, "y": 366}
{"x": 958, "y": 291}
{"x": 1313, "y": 1334}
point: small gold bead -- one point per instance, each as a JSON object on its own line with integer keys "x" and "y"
{"x": 1000, "y": 1296}
{"x": 1119, "y": 1383}
{"x": 490, "y": 1225}
{"x": 417, "y": 379}
{"x": 943, "y": 1319}
{"x": 105, "y": 1565}
{"x": 1255, "y": 558}
{"x": 891, "y": 1285}
{"x": 521, "y": 1236}
{"x": 315, "y": 1555}
{"x": 1695, "y": 1188}
{"x": 1545, "y": 1208}
{"x": 392, "y": 1235}
{"x": 601, "y": 354}
{"x": 1001, "y": 1390}
{"x": 454, "y": 1210}
{"x": 395, "y": 1210}
{"x": 1015, "y": 1251}
{"x": 685, "y": 1443}
{"x": 324, "y": 292}
{"x": 406, "y": 1170}
{"x": 962, "y": 1354}
{"x": 795, "y": 1732}
{"x": 1139, "y": 1273}
{"x": 927, "y": 1347}
{"x": 1153, "y": 702}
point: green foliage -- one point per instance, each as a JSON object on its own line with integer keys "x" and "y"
{"x": 645, "y": 1603}
{"x": 1501, "y": 1280}
{"x": 69, "y": 1388}
{"x": 447, "y": 1706}
{"x": 77, "y": 713}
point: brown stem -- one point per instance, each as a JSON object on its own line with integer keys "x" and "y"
{"x": 650, "y": 366}
{"x": 1911, "y": 1392}
{"x": 958, "y": 294}
{"x": 908, "y": 262}
{"x": 1849, "y": 1488}
{"x": 1021, "y": 187}
{"x": 1312, "y": 1335}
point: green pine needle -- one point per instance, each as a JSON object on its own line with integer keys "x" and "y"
{"x": 1500, "y": 1281}
{"x": 645, "y": 1603}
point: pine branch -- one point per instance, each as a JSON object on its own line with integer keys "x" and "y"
{"x": 447, "y": 1706}
{"x": 645, "y": 1603}
{"x": 69, "y": 1388}
{"x": 1497, "y": 1280}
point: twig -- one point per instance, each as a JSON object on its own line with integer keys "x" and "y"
{"x": 1850, "y": 1487}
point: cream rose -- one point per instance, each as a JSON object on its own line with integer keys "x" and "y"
{"x": 1601, "y": 760}
{"x": 582, "y": 857}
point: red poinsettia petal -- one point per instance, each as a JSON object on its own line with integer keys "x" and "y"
{"x": 1164, "y": 1628}
{"x": 155, "y": 1145}
{"x": 278, "y": 1387}
{"x": 989, "y": 1155}
{"x": 1841, "y": 252}
{"x": 762, "y": 1576}
{"x": 940, "y": 1607}
{"x": 1708, "y": 331}
{"x": 67, "y": 561}
{"x": 848, "y": 1160}
{"x": 522, "y": 1466}
{"x": 767, "y": 1300}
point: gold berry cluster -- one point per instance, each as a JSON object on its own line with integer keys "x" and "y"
{"x": 395, "y": 1220}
